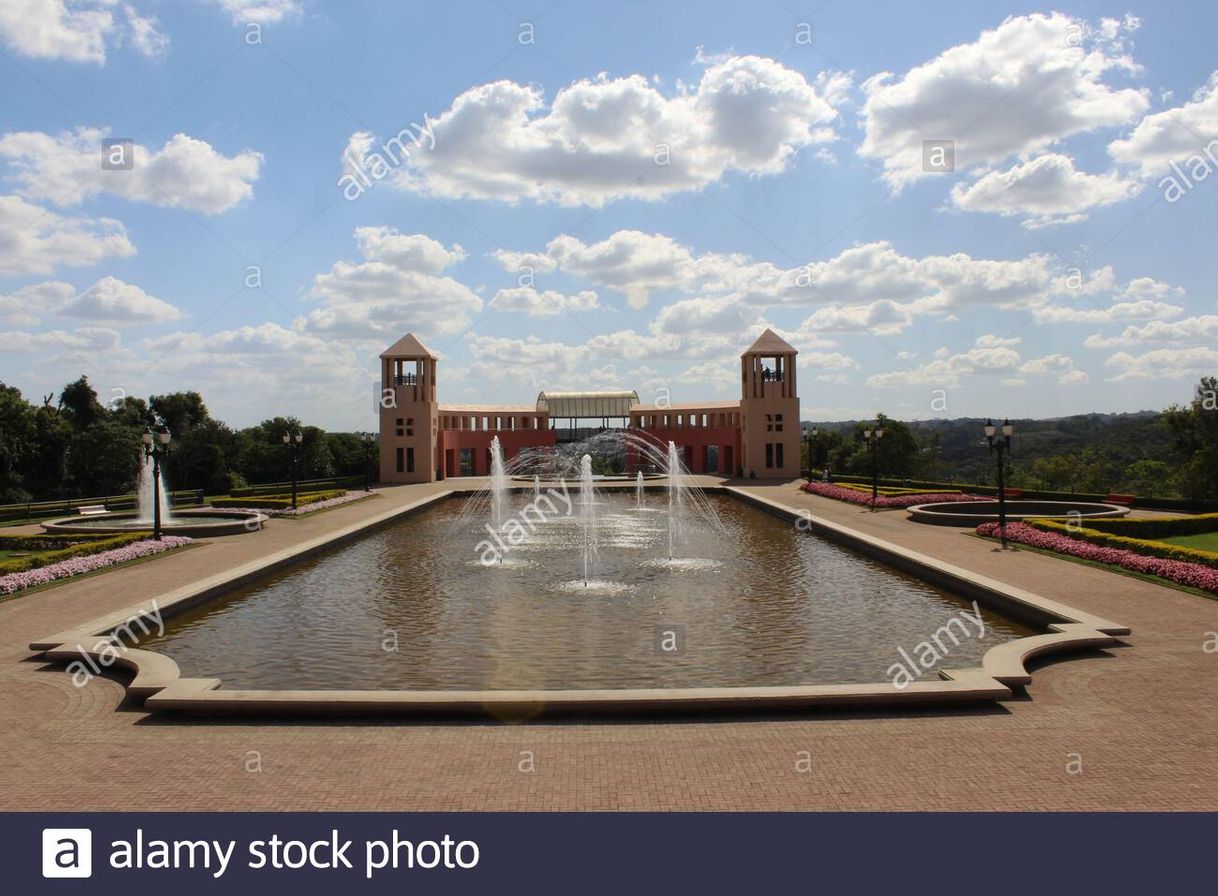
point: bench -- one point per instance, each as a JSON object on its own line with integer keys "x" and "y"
{"x": 1123, "y": 500}
{"x": 91, "y": 509}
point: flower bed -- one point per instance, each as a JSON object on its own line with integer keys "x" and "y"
{"x": 305, "y": 509}
{"x": 853, "y": 496}
{"x": 1138, "y": 545}
{"x": 1194, "y": 575}
{"x": 48, "y": 549}
{"x": 74, "y": 566}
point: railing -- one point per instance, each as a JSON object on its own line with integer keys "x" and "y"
{"x": 32, "y": 510}
{"x": 409, "y": 379}
{"x": 272, "y": 488}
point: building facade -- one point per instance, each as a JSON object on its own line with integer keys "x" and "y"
{"x": 757, "y": 435}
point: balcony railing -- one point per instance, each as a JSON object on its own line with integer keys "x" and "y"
{"x": 408, "y": 379}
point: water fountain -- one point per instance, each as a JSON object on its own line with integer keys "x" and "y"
{"x": 147, "y": 492}
{"x": 587, "y": 507}
{"x": 498, "y": 483}
{"x": 536, "y": 485}
{"x": 674, "y": 493}
{"x": 638, "y": 490}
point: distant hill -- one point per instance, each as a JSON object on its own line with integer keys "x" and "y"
{"x": 1113, "y": 440}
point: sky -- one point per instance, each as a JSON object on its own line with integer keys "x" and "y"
{"x": 950, "y": 209}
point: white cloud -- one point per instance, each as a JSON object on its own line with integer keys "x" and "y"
{"x": 185, "y": 173}
{"x": 1165, "y": 364}
{"x": 35, "y": 240}
{"x": 947, "y": 369}
{"x": 113, "y": 301}
{"x": 989, "y": 340}
{"x": 109, "y": 300}
{"x": 145, "y": 33}
{"x": 1047, "y": 190}
{"x": 53, "y": 29}
{"x": 604, "y": 139}
{"x": 396, "y": 288}
{"x": 1201, "y": 330}
{"x": 1059, "y": 366}
{"x": 1172, "y": 135}
{"x": 77, "y": 30}
{"x": 260, "y": 11}
{"x": 547, "y": 303}
{"x": 1023, "y": 86}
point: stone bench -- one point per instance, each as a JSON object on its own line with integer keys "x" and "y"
{"x": 91, "y": 509}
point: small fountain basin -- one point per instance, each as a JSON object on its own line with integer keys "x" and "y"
{"x": 974, "y": 513}
{"x": 194, "y": 523}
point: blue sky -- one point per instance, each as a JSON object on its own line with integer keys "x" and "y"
{"x": 611, "y": 195}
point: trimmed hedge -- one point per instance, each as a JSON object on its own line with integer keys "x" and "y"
{"x": 277, "y": 502}
{"x": 54, "y": 548}
{"x": 1158, "y": 527}
{"x": 1148, "y": 548}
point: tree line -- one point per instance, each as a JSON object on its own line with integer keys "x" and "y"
{"x": 71, "y": 445}
{"x": 1169, "y": 453}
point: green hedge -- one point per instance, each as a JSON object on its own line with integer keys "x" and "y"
{"x": 1158, "y": 527}
{"x": 893, "y": 490}
{"x": 277, "y": 502}
{"x": 52, "y": 550}
{"x": 1126, "y": 543}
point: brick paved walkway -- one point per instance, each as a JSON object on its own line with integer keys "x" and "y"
{"x": 1141, "y": 720}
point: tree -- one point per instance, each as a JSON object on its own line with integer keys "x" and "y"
{"x": 16, "y": 442}
{"x": 79, "y": 404}
{"x": 103, "y": 458}
{"x": 1194, "y": 430}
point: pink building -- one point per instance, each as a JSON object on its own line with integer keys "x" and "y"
{"x": 423, "y": 440}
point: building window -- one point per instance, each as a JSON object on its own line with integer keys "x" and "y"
{"x": 409, "y": 459}
{"x": 769, "y": 455}
{"x": 769, "y": 423}
{"x": 778, "y": 455}
{"x": 778, "y": 428}
{"x": 409, "y": 426}
{"x": 401, "y": 465}
{"x": 401, "y": 431}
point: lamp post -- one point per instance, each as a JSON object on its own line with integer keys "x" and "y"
{"x": 366, "y": 439}
{"x": 813, "y": 434}
{"x": 872, "y": 438}
{"x": 156, "y": 445}
{"x": 1000, "y": 442}
{"x": 293, "y": 441}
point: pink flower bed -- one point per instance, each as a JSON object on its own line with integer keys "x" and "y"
{"x": 18, "y": 581}
{"x": 853, "y": 496}
{"x": 1178, "y": 571}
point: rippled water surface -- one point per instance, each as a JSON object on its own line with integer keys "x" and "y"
{"x": 412, "y": 606}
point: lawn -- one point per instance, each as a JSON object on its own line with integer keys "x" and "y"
{"x": 1203, "y": 541}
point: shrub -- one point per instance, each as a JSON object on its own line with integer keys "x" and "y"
{"x": 277, "y": 502}
{"x": 1195, "y": 575}
{"x": 1138, "y": 545}
{"x": 1158, "y": 527}
{"x": 52, "y": 549}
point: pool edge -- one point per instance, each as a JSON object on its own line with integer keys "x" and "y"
{"x": 159, "y": 685}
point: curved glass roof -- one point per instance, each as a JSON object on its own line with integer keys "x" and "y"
{"x": 587, "y": 405}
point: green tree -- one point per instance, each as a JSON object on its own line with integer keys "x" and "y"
{"x": 1194, "y": 430}
{"x": 103, "y": 458}
{"x": 79, "y": 404}
{"x": 17, "y": 433}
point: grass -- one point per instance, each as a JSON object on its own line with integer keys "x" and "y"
{"x": 1203, "y": 541}
{"x": 1110, "y": 567}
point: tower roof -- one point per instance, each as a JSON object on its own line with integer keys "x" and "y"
{"x": 408, "y": 347}
{"x": 770, "y": 343}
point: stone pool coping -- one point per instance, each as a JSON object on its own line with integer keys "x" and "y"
{"x": 157, "y": 681}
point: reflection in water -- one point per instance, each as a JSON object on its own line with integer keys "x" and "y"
{"x": 411, "y": 607}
